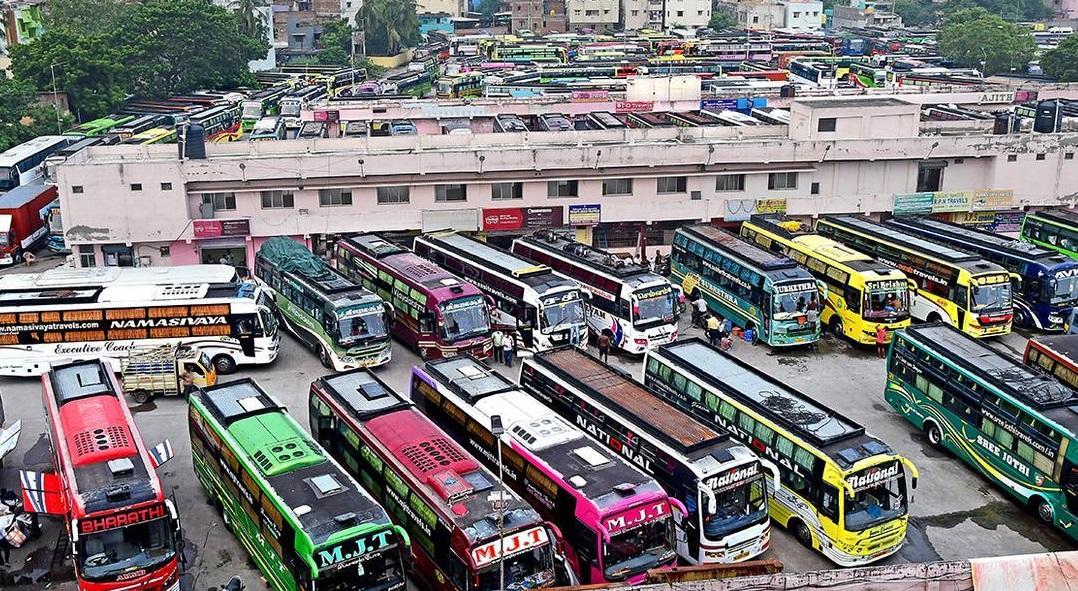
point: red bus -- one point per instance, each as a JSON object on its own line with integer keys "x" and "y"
{"x": 446, "y": 501}
{"x": 124, "y": 533}
{"x": 438, "y": 315}
{"x": 1057, "y": 354}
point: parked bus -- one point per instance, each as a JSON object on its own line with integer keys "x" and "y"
{"x": 460, "y": 85}
{"x": 628, "y": 301}
{"x": 435, "y": 490}
{"x": 861, "y": 293}
{"x": 1046, "y": 283}
{"x": 97, "y": 127}
{"x": 618, "y": 520}
{"x": 971, "y": 293}
{"x": 312, "y": 130}
{"x": 263, "y": 103}
{"x": 534, "y": 53}
{"x": 843, "y": 491}
{"x": 139, "y": 125}
{"x": 1054, "y": 229}
{"x": 64, "y": 314}
{"x": 345, "y": 324}
{"x": 543, "y": 307}
{"x": 293, "y": 104}
{"x": 123, "y": 528}
{"x": 267, "y": 128}
{"x": 156, "y": 135}
{"x": 437, "y": 314}
{"x": 25, "y": 163}
{"x": 1011, "y": 423}
{"x": 720, "y": 481}
{"x": 1057, "y": 355}
{"x": 218, "y": 120}
{"x": 755, "y": 289}
{"x": 60, "y": 156}
{"x": 303, "y": 520}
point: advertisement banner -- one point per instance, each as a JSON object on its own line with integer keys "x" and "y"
{"x": 590, "y": 96}
{"x": 1003, "y": 199}
{"x": 221, "y": 228}
{"x": 994, "y": 221}
{"x": 951, "y": 201}
{"x": 739, "y": 210}
{"x": 716, "y": 105}
{"x": 634, "y": 106}
{"x": 585, "y": 215}
{"x": 505, "y": 219}
{"x": 914, "y": 204}
{"x": 770, "y": 206}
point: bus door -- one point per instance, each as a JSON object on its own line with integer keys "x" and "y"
{"x": 246, "y": 327}
{"x": 1069, "y": 483}
{"x": 688, "y": 525}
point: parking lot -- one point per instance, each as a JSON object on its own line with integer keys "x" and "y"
{"x": 955, "y": 513}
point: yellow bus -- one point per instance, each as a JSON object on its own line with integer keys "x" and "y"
{"x": 843, "y": 492}
{"x": 156, "y": 135}
{"x": 970, "y": 293}
{"x": 862, "y": 294}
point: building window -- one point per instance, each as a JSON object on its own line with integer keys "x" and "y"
{"x": 730, "y": 182}
{"x": 826, "y": 124}
{"x": 561, "y": 189}
{"x": 670, "y": 184}
{"x": 814, "y": 188}
{"x": 278, "y": 199}
{"x": 220, "y": 201}
{"x": 87, "y": 258}
{"x": 618, "y": 187}
{"x": 930, "y": 176}
{"x": 455, "y": 192}
{"x": 330, "y": 197}
{"x": 1039, "y": 157}
{"x": 398, "y": 194}
{"x": 76, "y": 189}
{"x": 1012, "y": 157}
{"x": 136, "y": 186}
{"x": 166, "y": 186}
{"x": 681, "y": 13}
{"x": 1068, "y": 156}
{"x": 959, "y": 160}
{"x": 778, "y": 181}
{"x": 504, "y": 191}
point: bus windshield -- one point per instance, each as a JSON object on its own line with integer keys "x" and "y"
{"x": 558, "y": 313}
{"x": 290, "y": 108}
{"x": 638, "y": 549}
{"x": 269, "y": 322}
{"x": 990, "y": 297}
{"x": 4, "y": 239}
{"x": 878, "y": 503}
{"x": 736, "y": 508}
{"x": 376, "y": 572}
{"x": 528, "y": 570}
{"x": 793, "y": 299}
{"x": 1063, "y": 289}
{"x": 141, "y": 545}
{"x": 652, "y": 304}
{"x": 9, "y": 178}
{"x": 886, "y": 299}
{"x": 358, "y": 324}
{"x": 464, "y": 318}
{"x": 252, "y": 110}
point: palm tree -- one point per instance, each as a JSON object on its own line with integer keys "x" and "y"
{"x": 249, "y": 15}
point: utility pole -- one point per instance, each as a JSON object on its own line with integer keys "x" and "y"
{"x": 497, "y": 430}
{"x": 56, "y": 97}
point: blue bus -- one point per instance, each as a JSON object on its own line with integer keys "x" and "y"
{"x": 1047, "y": 286}
{"x": 769, "y": 294}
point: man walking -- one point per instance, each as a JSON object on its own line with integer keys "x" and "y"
{"x": 507, "y": 349}
{"x": 604, "y": 346}
{"x": 496, "y": 353}
{"x": 713, "y": 327}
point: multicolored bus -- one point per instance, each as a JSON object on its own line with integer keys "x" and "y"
{"x": 1046, "y": 282}
{"x": 971, "y": 293}
{"x": 771, "y": 295}
{"x": 1057, "y": 355}
{"x": 1011, "y": 423}
{"x": 861, "y": 293}
{"x": 447, "y": 502}
{"x": 124, "y": 530}
{"x": 843, "y": 491}
{"x": 720, "y": 481}
{"x": 634, "y": 306}
{"x": 303, "y": 520}
{"x": 98, "y": 127}
{"x": 437, "y": 314}
{"x": 1054, "y": 229}
{"x": 618, "y": 521}
{"x": 345, "y": 324}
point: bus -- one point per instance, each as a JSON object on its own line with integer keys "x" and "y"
{"x": 534, "y": 53}
{"x": 544, "y": 308}
{"x": 98, "y": 127}
{"x": 862, "y": 294}
{"x": 263, "y": 103}
{"x": 267, "y": 128}
{"x": 461, "y": 85}
{"x": 720, "y": 481}
{"x": 25, "y": 163}
{"x": 103, "y": 312}
{"x": 293, "y": 103}
{"x": 123, "y": 528}
{"x": 437, "y": 314}
{"x": 138, "y": 125}
{"x": 1045, "y": 288}
{"x": 1057, "y": 355}
{"x": 771, "y": 295}
{"x": 303, "y": 520}
{"x": 223, "y": 119}
{"x": 971, "y": 293}
{"x": 447, "y": 501}
{"x": 345, "y": 324}
{"x": 618, "y": 520}
{"x": 1054, "y": 229}
{"x": 843, "y": 491}
{"x": 156, "y": 135}
{"x": 634, "y": 306}
{"x": 1011, "y": 423}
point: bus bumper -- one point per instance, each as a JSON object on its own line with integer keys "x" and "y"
{"x": 738, "y": 550}
{"x": 991, "y": 330}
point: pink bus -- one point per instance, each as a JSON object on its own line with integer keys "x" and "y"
{"x": 437, "y": 314}
{"x": 618, "y": 522}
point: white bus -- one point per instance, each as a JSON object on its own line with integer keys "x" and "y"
{"x": 25, "y": 163}
{"x": 267, "y": 128}
{"x": 62, "y": 315}
{"x": 544, "y": 308}
{"x": 633, "y": 305}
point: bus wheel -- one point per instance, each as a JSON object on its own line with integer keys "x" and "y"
{"x": 140, "y": 396}
{"x": 803, "y": 534}
{"x": 1044, "y": 511}
{"x": 224, "y": 364}
{"x": 935, "y": 436}
{"x": 933, "y": 317}
{"x": 837, "y": 329}
{"x": 1021, "y": 318}
{"x": 323, "y": 356}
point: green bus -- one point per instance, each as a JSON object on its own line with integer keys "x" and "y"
{"x": 346, "y": 324}
{"x": 98, "y": 126}
{"x": 304, "y": 521}
{"x": 1054, "y": 229}
{"x": 1012, "y": 423}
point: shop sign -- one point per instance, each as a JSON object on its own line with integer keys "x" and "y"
{"x": 328, "y": 116}
{"x": 914, "y": 204}
{"x": 952, "y": 201}
{"x": 993, "y": 199}
{"x": 994, "y": 221}
{"x": 716, "y": 105}
{"x": 502, "y": 219}
{"x": 222, "y": 228}
{"x": 590, "y": 96}
{"x": 739, "y": 210}
{"x": 634, "y": 106}
{"x": 770, "y": 206}
{"x": 584, "y": 215}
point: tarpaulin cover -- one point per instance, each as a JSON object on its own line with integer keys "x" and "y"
{"x": 291, "y": 256}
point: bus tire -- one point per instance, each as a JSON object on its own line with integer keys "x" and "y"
{"x": 837, "y": 330}
{"x": 802, "y": 533}
{"x": 224, "y": 364}
{"x": 934, "y": 434}
{"x": 1044, "y": 511}
{"x": 140, "y": 396}
{"x": 323, "y": 356}
{"x": 1021, "y": 318}
{"x": 933, "y": 317}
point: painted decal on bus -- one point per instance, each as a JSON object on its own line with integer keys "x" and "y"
{"x": 96, "y": 524}
{"x": 351, "y": 551}
{"x": 508, "y": 546}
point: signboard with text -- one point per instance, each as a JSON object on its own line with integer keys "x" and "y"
{"x": 952, "y": 201}
{"x": 221, "y": 228}
{"x": 503, "y": 219}
{"x": 585, "y": 215}
{"x": 634, "y": 106}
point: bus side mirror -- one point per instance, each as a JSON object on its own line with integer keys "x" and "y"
{"x": 911, "y": 284}
{"x": 712, "y": 503}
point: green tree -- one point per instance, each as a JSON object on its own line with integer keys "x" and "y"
{"x": 249, "y": 17}
{"x": 175, "y": 46}
{"x": 390, "y": 25}
{"x": 916, "y": 13}
{"x": 1061, "y": 63}
{"x": 86, "y": 17}
{"x": 975, "y": 38}
{"x": 489, "y": 7}
{"x": 88, "y": 69}
{"x": 720, "y": 19}
{"x": 21, "y": 116}
{"x": 1014, "y": 10}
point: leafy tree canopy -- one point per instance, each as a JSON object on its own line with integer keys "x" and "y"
{"x": 390, "y": 25}
{"x": 489, "y": 7}
{"x": 87, "y": 67}
{"x": 86, "y": 17}
{"x": 976, "y": 39}
{"x": 916, "y": 13}
{"x": 21, "y": 117}
{"x": 1013, "y": 10}
{"x": 720, "y": 19}
{"x": 1061, "y": 63}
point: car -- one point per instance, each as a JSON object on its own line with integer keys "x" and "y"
{"x": 381, "y": 129}
{"x": 403, "y": 127}
{"x": 554, "y": 122}
{"x": 509, "y": 124}
{"x": 355, "y": 129}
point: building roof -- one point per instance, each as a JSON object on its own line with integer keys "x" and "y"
{"x": 853, "y": 102}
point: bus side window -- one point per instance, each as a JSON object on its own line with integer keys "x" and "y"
{"x": 829, "y": 501}
{"x": 426, "y": 322}
{"x": 853, "y": 299}
{"x": 458, "y": 573}
{"x": 960, "y": 296}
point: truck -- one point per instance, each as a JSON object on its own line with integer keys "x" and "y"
{"x": 165, "y": 370}
{"x": 22, "y": 220}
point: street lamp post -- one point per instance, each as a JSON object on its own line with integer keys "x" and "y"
{"x": 496, "y": 429}
{"x": 55, "y": 97}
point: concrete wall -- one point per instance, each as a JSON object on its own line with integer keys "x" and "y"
{"x": 803, "y": 16}
{"x": 688, "y": 13}
{"x": 601, "y": 15}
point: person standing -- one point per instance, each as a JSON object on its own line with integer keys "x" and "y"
{"x": 497, "y": 337}
{"x": 507, "y": 349}
{"x": 699, "y": 309}
{"x": 881, "y": 341}
{"x": 604, "y": 346}
{"x": 713, "y": 327}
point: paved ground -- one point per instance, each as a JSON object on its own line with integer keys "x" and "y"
{"x": 955, "y": 513}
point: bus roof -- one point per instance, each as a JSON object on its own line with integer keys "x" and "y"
{"x": 408, "y": 264}
{"x": 16, "y": 154}
{"x": 113, "y": 284}
{"x": 766, "y": 260}
{"x": 980, "y": 240}
{"x": 902, "y": 239}
{"x": 822, "y": 245}
{"x": 1064, "y": 345}
{"x": 839, "y": 437}
{"x": 24, "y": 194}
{"x": 1066, "y": 217}
{"x": 486, "y": 254}
{"x": 566, "y": 246}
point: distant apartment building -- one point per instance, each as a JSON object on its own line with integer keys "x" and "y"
{"x": 691, "y": 14}
{"x": 596, "y": 15}
{"x": 539, "y": 16}
{"x": 640, "y": 14}
{"x": 453, "y": 8}
{"x": 768, "y": 15}
{"x": 22, "y": 23}
{"x": 1067, "y": 9}
{"x": 866, "y": 13}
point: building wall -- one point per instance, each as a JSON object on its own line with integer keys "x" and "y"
{"x": 1067, "y": 9}
{"x": 803, "y": 16}
{"x": 688, "y": 13}
{"x": 636, "y": 14}
{"x": 539, "y": 16}
{"x": 601, "y": 15}
{"x": 450, "y": 7}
